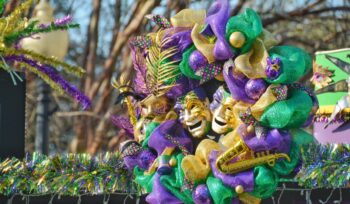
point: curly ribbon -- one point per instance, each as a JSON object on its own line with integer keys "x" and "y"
{"x": 196, "y": 167}
{"x": 253, "y": 63}
{"x": 188, "y": 18}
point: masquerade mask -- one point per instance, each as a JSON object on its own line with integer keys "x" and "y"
{"x": 153, "y": 109}
{"x": 195, "y": 114}
{"x": 222, "y": 108}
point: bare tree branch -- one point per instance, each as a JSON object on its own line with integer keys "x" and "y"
{"x": 302, "y": 13}
{"x": 238, "y": 7}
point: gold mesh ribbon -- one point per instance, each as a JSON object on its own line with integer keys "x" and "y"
{"x": 203, "y": 44}
{"x": 196, "y": 167}
{"x": 253, "y": 63}
{"x": 188, "y": 18}
{"x": 264, "y": 101}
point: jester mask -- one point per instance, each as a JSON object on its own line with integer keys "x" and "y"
{"x": 195, "y": 113}
{"x": 153, "y": 109}
{"x": 222, "y": 108}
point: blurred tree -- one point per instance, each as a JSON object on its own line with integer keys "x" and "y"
{"x": 100, "y": 46}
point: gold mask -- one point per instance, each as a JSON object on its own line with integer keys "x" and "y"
{"x": 153, "y": 109}
{"x": 224, "y": 112}
{"x": 195, "y": 115}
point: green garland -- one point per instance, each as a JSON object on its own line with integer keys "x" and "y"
{"x": 32, "y": 29}
{"x": 325, "y": 166}
{"x": 69, "y": 174}
{"x": 2, "y": 6}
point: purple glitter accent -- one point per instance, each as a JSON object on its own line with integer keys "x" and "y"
{"x": 58, "y": 22}
{"x": 123, "y": 123}
{"x": 273, "y": 67}
{"x": 50, "y": 72}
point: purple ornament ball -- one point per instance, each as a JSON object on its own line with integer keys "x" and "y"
{"x": 255, "y": 88}
{"x": 201, "y": 195}
{"x": 197, "y": 60}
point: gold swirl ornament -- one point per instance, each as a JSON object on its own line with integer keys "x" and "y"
{"x": 225, "y": 166}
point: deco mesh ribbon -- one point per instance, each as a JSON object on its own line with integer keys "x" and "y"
{"x": 235, "y": 113}
{"x": 13, "y": 29}
{"x": 215, "y": 114}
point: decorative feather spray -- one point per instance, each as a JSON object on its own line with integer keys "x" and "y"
{"x": 13, "y": 29}
{"x": 161, "y": 70}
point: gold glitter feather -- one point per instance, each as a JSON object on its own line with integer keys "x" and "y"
{"x": 161, "y": 70}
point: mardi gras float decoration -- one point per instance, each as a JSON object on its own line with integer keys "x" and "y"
{"x": 15, "y": 28}
{"x": 331, "y": 80}
{"x": 215, "y": 110}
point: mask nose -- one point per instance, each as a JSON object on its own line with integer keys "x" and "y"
{"x": 221, "y": 112}
{"x": 188, "y": 116}
{"x": 149, "y": 110}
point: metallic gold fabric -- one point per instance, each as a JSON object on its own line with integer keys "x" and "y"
{"x": 203, "y": 44}
{"x": 265, "y": 100}
{"x": 253, "y": 63}
{"x": 196, "y": 167}
{"x": 188, "y": 18}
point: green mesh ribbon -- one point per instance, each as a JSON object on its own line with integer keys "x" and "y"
{"x": 220, "y": 193}
{"x": 284, "y": 167}
{"x": 265, "y": 182}
{"x": 146, "y": 181}
{"x": 290, "y": 113}
{"x": 175, "y": 181}
{"x": 2, "y": 6}
{"x": 295, "y": 63}
{"x": 149, "y": 129}
{"x": 301, "y": 137}
{"x": 249, "y": 24}
{"x": 185, "y": 67}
